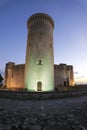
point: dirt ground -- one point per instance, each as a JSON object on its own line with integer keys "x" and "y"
{"x": 57, "y": 114}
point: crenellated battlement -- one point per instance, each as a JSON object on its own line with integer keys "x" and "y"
{"x": 10, "y": 65}
{"x": 38, "y": 18}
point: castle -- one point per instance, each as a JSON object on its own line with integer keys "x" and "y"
{"x": 39, "y": 72}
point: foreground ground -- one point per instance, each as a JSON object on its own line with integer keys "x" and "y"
{"x": 56, "y": 114}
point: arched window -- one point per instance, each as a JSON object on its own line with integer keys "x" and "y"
{"x": 51, "y": 45}
{"x": 40, "y": 62}
{"x": 65, "y": 83}
{"x": 29, "y": 44}
{"x": 39, "y": 86}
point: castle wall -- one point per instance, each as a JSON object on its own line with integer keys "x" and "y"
{"x": 14, "y": 76}
{"x": 71, "y": 76}
{"x": 63, "y": 75}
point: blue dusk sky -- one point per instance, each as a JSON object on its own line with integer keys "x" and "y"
{"x": 70, "y": 32}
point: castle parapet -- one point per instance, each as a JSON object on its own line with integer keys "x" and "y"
{"x": 10, "y": 65}
{"x": 40, "y": 17}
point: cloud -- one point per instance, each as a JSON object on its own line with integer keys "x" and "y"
{"x": 82, "y": 76}
{"x": 76, "y": 73}
{"x": 79, "y": 77}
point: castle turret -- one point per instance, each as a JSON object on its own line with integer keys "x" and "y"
{"x": 70, "y": 68}
{"x": 9, "y": 74}
{"x": 39, "y": 66}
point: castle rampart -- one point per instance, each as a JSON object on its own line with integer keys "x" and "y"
{"x": 39, "y": 17}
{"x": 63, "y": 75}
{"x": 14, "y": 76}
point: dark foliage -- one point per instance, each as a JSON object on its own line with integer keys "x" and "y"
{"x": 1, "y": 78}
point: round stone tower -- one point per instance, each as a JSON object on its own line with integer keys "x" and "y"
{"x": 39, "y": 66}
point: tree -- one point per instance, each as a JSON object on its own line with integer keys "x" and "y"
{"x": 1, "y": 78}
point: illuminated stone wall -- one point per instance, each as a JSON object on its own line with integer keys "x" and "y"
{"x": 39, "y": 66}
{"x": 14, "y": 76}
{"x": 63, "y": 75}
{"x": 71, "y": 75}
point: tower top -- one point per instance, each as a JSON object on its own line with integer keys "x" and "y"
{"x": 39, "y": 17}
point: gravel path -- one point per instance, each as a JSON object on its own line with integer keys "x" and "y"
{"x": 59, "y": 114}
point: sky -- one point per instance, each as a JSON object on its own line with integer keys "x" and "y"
{"x": 70, "y": 32}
